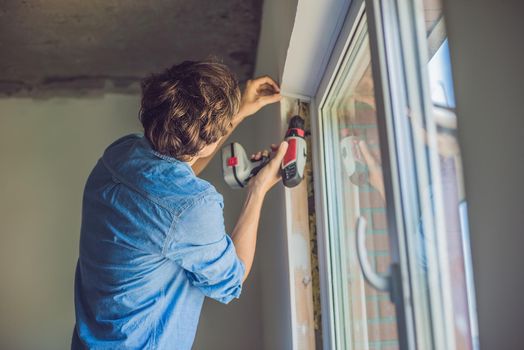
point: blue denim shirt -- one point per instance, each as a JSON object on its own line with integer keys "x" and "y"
{"x": 152, "y": 246}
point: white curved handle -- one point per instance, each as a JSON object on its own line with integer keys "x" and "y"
{"x": 374, "y": 279}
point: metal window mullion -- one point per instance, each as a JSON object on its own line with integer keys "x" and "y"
{"x": 426, "y": 175}
{"x": 419, "y": 180}
{"x": 390, "y": 88}
{"x": 435, "y": 176}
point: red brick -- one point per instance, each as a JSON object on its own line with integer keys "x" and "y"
{"x": 382, "y": 331}
{"x": 382, "y": 263}
{"x": 377, "y": 242}
{"x": 379, "y": 221}
{"x": 372, "y": 309}
{"x": 370, "y": 291}
{"x": 371, "y": 200}
{"x": 387, "y": 308}
{"x": 376, "y": 309}
{"x": 366, "y": 116}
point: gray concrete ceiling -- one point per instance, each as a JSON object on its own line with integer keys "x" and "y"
{"x": 77, "y": 47}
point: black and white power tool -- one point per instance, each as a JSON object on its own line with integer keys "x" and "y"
{"x": 238, "y": 169}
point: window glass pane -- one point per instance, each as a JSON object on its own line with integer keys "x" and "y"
{"x": 441, "y": 277}
{"x": 364, "y": 317}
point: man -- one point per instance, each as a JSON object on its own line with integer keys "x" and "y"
{"x": 153, "y": 242}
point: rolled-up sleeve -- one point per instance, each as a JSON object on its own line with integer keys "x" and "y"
{"x": 200, "y": 245}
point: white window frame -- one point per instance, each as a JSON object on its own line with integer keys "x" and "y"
{"x": 321, "y": 35}
{"x": 307, "y": 58}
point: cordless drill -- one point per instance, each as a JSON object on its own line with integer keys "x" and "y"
{"x": 294, "y": 161}
{"x": 238, "y": 169}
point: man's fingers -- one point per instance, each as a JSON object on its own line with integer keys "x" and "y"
{"x": 266, "y": 90}
{"x": 256, "y": 156}
{"x": 266, "y": 80}
{"x": 265, "y": 100}
{"x": 279, "y": 155}
{"x": 260, "y": 154}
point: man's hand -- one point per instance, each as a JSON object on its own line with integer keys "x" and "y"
{"x": 270, "y": 174}
{"x": 258, "y": 93}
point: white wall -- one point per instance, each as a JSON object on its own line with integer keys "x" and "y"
{"x": 487, "y": 52}
{"x": 277, "y": 24}
{"x": 47, "y": 149}
{"x": 238, "y": 325}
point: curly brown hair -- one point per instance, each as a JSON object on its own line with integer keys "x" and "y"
{"x": 188, "y": 106}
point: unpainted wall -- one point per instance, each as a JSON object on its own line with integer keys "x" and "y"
{"x": 78, "y": 47}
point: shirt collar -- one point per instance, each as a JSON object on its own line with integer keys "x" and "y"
{"x": 145, "y": 141}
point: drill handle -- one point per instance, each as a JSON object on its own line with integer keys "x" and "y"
{"x": 258, "y": 165}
